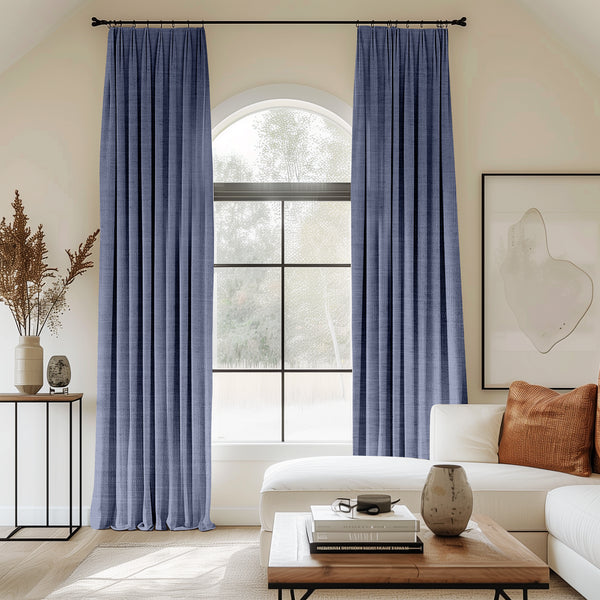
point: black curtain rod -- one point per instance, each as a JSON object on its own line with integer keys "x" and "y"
{"x": 462, "y": 22}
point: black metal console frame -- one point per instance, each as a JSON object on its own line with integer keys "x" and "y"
{"x": 46, "y": 399}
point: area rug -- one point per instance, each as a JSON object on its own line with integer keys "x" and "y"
{"x": 219, "y": 571}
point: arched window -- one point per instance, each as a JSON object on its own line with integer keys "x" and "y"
{"x": 283, "y": 144}
{"x": 282, "y": 344}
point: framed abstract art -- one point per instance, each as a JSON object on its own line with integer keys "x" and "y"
{"x": 541, "y": 279}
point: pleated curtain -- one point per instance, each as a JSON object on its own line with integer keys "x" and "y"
{"x": 407, "y": 324}
{"x": 156, "y": 284}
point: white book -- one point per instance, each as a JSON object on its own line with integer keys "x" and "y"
{"x": 398, "y": 519}
{"x": 364, "y": 536}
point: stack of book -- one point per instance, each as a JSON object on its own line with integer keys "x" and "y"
{"x": 332, "y": 531}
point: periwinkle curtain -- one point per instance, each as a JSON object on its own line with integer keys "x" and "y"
{"x": 156, "y": 284}
{"x": 407, "y": 326}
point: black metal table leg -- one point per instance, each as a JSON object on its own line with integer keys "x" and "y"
{"x": 71, "y": 469}
{"x": 47, "y": 464}
{"x": 500, "y": 593}
{"x": 306, "y": 594}
{"x": 80, "y": 468}
{"x": 16, "y": 468}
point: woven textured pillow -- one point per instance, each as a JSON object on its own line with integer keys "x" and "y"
{"x": 548, "y": 430}
{"x": 596, "y": 449}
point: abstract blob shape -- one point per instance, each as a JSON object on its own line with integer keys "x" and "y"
{"x": 549, "y": 297}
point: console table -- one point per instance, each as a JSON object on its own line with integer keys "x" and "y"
{"x": 47, "y": 399}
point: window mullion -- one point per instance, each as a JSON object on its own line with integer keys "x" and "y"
{"x": 282, "y": 319}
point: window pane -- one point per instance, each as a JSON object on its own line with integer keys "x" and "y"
{"x": 247, "y": 232}
{"x": 318, "y": 407}
{"x": 317, "y": 232}
{"x": 317, "y": 318}
{"x": 283, "y": 144}
{"x": 246, "y": 407}
{"x": 247, "y": 309}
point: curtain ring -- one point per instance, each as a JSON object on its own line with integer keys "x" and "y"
{"x": 407, "y": 25}
{"x": 373, "y": 24}
{"x": 134, "y": 24}
{"x": 172, "y": 24}
{"x": 421, "y": 24}
{"x": 188, "y": 23}
{"x": 147, "y": 24}
{"x": 357, "y": 22}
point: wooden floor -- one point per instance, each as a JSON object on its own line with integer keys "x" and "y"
{"x": 32, "y": 570}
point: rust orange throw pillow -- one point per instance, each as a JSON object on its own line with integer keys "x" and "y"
{"x": 548, "y": 430}
{"x": 596, "y": 449}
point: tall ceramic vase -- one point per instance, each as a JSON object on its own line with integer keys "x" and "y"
{"x": 447, "y": 500}
{"x": 29, "y": 364}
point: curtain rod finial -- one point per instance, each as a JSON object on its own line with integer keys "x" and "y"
{"x": 462, "y": 22}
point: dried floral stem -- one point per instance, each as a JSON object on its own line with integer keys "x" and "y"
{"x": 24, "y": 274}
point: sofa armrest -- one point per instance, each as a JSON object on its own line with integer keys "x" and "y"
{"x": 465, "y": 432}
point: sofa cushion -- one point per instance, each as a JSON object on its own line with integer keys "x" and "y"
{"x": 572, "y": 517}
{"x": 465, "y": 432}
{"x": 548, "y": 430}
{"x": 513, "y": 496}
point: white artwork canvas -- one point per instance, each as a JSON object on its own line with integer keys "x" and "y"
{"x": 541, "y": 268}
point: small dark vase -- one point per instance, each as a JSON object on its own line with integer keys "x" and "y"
{"x": 58, "y": 371}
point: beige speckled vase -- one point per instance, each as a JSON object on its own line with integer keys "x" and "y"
{"x": 447, "y": 500}
{"x": 29, "y": 364}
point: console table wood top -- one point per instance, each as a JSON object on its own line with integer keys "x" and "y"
{"x": 16, "y": 397}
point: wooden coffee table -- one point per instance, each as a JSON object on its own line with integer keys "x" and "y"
{"x": 486, "y": 557}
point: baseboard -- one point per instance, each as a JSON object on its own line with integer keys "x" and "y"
{"x": 59, "y": 515}
{"x": 240, "y": 516}
{"x": 36, "y": 515}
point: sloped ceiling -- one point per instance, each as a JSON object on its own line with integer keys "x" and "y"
{"x": 25, "y": 23}
{"x": 575, "y": 22}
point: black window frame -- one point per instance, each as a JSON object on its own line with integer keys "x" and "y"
{"x": 283, "y": 192}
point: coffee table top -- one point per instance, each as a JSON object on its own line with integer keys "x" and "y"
{"x": 484, "y": 556}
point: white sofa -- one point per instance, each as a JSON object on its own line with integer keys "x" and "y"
{"x": 527, "y": 502}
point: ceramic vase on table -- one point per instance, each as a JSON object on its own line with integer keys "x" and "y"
{"x": 447, "y": 500}
{"x": 29, "y": 364}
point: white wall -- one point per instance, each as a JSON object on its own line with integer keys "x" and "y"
{"x": 521, "y": 101}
